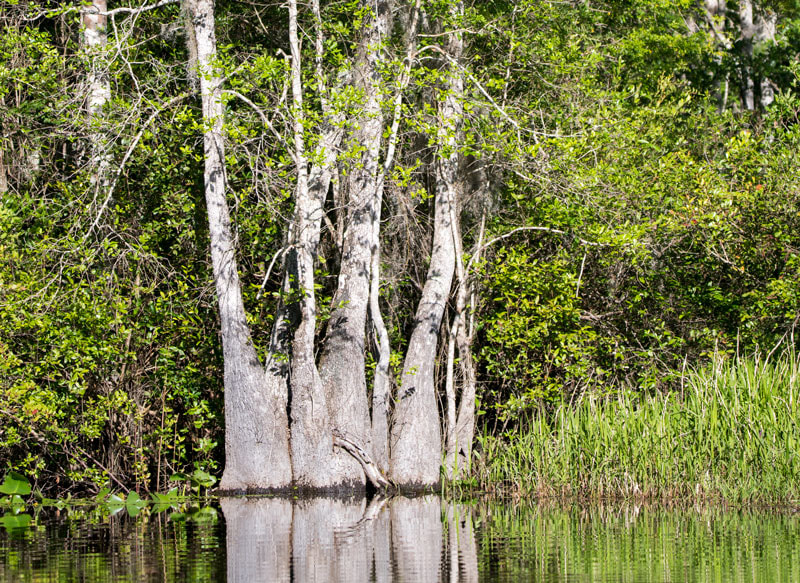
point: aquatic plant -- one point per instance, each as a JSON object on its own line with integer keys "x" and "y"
{"x": 730, "y": 434}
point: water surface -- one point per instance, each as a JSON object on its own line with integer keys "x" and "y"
{"x": 420, "y": 539}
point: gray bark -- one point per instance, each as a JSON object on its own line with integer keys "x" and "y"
{"x": 258, "y": 539}
{"x": 256, "y": 424}
{"x": 460, "y": 437}
{"x": 416, "y": 433}
{"x": 317, "y": 465}
{"x": 98, "y": 91}
{"x": 342, "y": 363}
{"x": 756, "y": 26}
{"x": 747, "y": 33}
{"x": 3, "y": 172}
{"x": 382, "y": 382}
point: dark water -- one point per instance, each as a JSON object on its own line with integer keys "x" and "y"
{"x": 419, "y": 540}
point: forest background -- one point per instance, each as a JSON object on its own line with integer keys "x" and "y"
{"x": 628, "y": 206}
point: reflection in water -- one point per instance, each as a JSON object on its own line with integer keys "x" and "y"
{"x": 259, "y": 546}
{"x": 404, "y": 539}
{"x": 353, "y": 541}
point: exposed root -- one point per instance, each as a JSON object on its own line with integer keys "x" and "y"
{"x": 374, "y": 475}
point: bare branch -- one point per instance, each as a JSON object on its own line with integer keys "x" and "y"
{"x": 531, "y": 228}
{"x": 264, "y": 120}
{"x": 94, "y": 11}
{"x": 127, "y": 156}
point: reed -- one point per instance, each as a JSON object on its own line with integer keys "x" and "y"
{"x": 730, "y": 434}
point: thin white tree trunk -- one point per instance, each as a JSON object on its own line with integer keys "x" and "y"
{"x": 98, "y": 91}
{"x": 382, "y": 383}
{"x": 256, "y": 424}
{"x": 459, "y": 445}
{"x": 416, "y": 442}
{"x": 748, "y": 31}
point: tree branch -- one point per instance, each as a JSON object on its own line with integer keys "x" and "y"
{"x": 127, "y": 156}
{"x": 372, "y": 472}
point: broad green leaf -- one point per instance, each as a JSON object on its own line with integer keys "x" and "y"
{"x": 15, "y": 483}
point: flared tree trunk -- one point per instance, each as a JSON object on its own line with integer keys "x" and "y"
{"x": 256, "y": 424}
{"x": 317, "y": 466}
{"x": 342, "y": 364}
{"x": 416, "y": 442}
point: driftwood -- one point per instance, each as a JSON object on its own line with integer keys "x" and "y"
{"x": 371, "y": 470}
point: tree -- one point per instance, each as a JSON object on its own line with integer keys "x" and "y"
{"x": 256, "y": 427}
{"x": 327, "y": 399}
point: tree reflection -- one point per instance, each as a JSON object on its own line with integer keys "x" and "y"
{"x": 353, "y": 540}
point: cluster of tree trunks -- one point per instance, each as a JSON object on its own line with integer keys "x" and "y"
{"x": 739, "y": 32}
{"x": 305, "y": 420}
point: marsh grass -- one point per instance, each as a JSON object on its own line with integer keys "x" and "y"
{"x": 730, "y": 434}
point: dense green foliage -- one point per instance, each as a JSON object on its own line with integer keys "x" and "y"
{"x": 635, "y": 223}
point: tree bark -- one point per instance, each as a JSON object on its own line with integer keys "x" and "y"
{"x": 342, "y": 364}
{"x": 756, "y": 25}
{"x": 256, "y": 424}
{"x": 317, "y": 466}
{"x": 98, "y": 91}
{"x": 416, "y": 432}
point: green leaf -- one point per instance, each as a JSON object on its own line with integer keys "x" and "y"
{"x": 204, "y": 479}
{"x": 15, "y": 483}
{"x": 101, "y": 495}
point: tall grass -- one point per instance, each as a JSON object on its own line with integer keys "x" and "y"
{"x": 730, "y": 434}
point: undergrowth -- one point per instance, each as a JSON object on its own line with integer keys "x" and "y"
{"x": 730, "y": 435}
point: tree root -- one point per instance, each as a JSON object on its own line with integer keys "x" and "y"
{"x": 372, "y": 472}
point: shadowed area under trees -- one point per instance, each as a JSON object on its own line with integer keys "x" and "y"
{"x": 317, "y": 245}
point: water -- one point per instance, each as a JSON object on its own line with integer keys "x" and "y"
{"x": 419, "y": 540}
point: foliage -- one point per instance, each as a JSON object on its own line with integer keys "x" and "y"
{"x": 666, "y": 217}
{"x": 729, "y": 434}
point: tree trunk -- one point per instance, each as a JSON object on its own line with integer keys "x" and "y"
{"x": 746, "y": 39}
{"x": 416, "y": 432}
{"x": 342, "y": 364}
{"x": 256, "y": 424}
{"x": 317, "y": 466}
{"x": 98, "y": 91}
{"x": 461, "y": 434}
{"x": 756, "y": 26}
